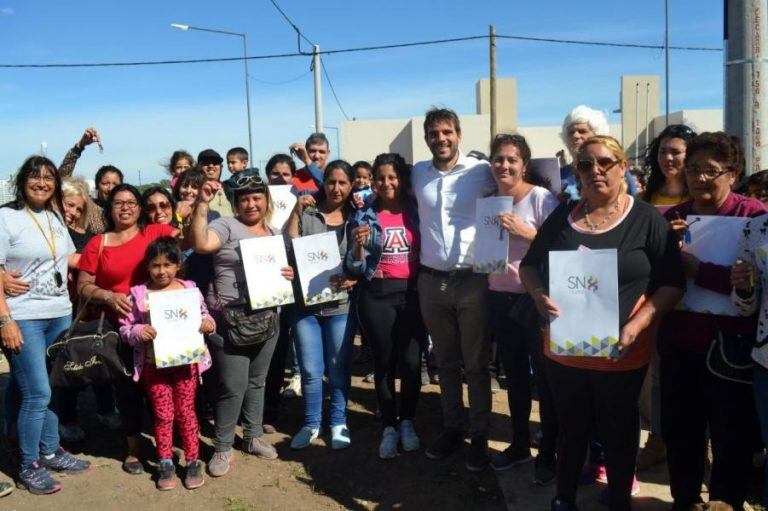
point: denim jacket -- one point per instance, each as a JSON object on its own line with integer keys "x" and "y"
{"x": 374, "y": 245}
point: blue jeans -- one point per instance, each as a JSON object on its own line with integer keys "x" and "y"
{"x": 760, "y": 387}
{"x": 28, "y": 394}
{"x": 324, "y": 345}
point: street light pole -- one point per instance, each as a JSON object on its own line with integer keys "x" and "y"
{"x": 185, "y": 28}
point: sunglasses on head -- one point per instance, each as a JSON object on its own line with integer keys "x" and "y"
{"x": 250, "y": 181}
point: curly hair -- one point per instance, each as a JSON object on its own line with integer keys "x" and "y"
{"x": 725, "y": 148}
{"x": 656, "y": 177}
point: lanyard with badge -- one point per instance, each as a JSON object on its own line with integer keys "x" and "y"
{"x": 51, "y": 244}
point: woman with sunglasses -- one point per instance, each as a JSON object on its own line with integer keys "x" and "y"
{"x": 601, "y": 392}
{"x": 693, "y": 399}
{"x": 242, "y": 369}
{"x": 159, "y": 206}
{"x": 110, "y": 264}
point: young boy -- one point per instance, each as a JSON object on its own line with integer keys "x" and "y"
{"x": 361, "y": 188}
{"x": 237, "y": 164}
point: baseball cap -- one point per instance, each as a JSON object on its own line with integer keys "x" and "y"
{"x": 209, "y": 155}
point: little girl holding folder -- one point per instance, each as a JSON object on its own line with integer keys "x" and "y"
{"x": 171, "y": 390}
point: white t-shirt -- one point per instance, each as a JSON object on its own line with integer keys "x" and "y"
{"x": 23, "y": 248}
{"x": 533, "y": 209}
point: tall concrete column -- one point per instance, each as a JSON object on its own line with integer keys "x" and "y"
{"x": 745, "y": 78}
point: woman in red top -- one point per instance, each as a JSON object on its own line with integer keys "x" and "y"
{"x": 109, "y": 266}
{"x": 386, "y": 252}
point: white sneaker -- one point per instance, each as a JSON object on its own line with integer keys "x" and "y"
{"x": 408, "y": 436}
{"x": 111, "y": 420}
{"x": 304, "y": 437}
{"x": 293, "y": 389}
{"x": 388, "y": 445}
{"x": 71, "y": 433}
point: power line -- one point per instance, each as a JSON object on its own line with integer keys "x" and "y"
{"x": 353, "y": 50}
{"x": 279, "y": 82}
{"x": 599, "y": 43}
{"x": 333, "y": 91}
{"x": 292, "y": 24}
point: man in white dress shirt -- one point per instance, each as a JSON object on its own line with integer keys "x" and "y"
{"x": 452, "y": 297}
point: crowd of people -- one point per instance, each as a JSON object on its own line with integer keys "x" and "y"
{"x": 406, "y": 239}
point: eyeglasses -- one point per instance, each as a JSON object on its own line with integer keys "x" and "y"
{"x": 164, "y": 205}
{"x": 248, "y": 181}
{"x": 709, "y": 173}
{"x": 603, "y": 164}
{"x": 129, "y": 204}
{"x": 45, "y": 178}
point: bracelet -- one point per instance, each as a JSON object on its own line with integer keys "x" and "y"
{"x": 107, "y": 297}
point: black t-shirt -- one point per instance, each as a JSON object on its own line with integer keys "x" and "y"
{"x": 80, "y": 239}
{"x": 648, "y": 254}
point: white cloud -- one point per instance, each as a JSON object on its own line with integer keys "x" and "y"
{"x": 7, "y": 11}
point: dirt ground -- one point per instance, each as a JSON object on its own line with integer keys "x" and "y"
{"x": 318, "y": 478}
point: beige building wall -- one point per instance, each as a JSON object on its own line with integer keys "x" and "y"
{"x": 639, "y": 106}
{"x": 363, "y": 140}
{"x": 506, "y": 102}
{"x": 699, "y": 120}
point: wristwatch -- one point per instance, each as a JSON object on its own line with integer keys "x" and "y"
{"x": 4, "y": 320}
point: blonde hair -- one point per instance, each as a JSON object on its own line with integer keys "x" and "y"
{"x": 77, "y": 186}
{"x": 614, "y": 146}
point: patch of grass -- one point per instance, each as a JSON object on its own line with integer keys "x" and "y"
{"x": 237, "y": 504}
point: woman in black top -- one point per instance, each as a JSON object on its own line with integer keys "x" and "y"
{"x": 599, "y": 391}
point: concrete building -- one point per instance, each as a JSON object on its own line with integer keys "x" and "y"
{"x": 641, "y": 121}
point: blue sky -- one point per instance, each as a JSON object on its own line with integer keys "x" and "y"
{"x": 145, "y": 113}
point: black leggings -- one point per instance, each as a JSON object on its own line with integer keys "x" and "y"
{"x": 606, "y": 399}
{"x": 388, "y": 310}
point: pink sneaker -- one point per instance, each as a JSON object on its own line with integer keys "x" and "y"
{"x": 591, "y": 473}
{"x": 605, "y": 500}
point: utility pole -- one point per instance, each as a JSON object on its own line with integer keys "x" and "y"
{"x": 492, "y": 40}
{"x": 745, "y": 37}
{"x": 251, "y": 156}
{"x": 318, "y": 71}
{"x": 666, "y": 63}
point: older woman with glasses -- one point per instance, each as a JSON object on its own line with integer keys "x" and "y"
{"x": 590, "y": 391}
{"x": 110, "y": 264}
{"x": 693, "y": 399}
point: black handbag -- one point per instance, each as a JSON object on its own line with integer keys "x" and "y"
{"x": 246, "y": 327}
{"x": 730, "y": 358}
{"x": 88, "y": 353}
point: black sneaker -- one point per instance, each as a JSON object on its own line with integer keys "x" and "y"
{"x": 510, "y": 457}
{"x": 37, "y": 480}
{"x": 560, "y": 505}
{"x": 446, "y": 444}
{"x": 544, "y": 472}
{"x": 477, "y": 457}
{"x": 64, "y": 462}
